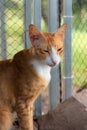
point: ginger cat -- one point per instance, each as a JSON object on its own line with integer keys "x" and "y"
{"x": 27, "y": 74}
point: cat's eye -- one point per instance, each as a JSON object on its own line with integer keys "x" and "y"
{"x": 46, "y": 51}
{"x": 36, "y": 38}
{"x": 59, "y": 49}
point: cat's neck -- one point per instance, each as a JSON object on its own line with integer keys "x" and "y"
{"x": 42, "y": 69}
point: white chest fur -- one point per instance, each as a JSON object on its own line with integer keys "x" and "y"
{"x": 42, "y": 70}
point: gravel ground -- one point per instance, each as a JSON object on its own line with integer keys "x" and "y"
{"x": 81, "y": 97}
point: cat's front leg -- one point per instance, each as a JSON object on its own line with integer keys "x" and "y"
{"x": 25, "y": 115}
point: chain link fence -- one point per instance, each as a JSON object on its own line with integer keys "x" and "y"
{"x": 12, "y": 34}
{"x": 11, "y": 27}
{"x": 79, "y": 43}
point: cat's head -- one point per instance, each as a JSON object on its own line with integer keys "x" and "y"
{"x": 48, "y": 46}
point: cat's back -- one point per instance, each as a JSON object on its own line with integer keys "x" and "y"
{"x": 6, "y": 86}
{"x": 21, "y": 61}
{"x": 5, "y": 63}
{"x": 5, "y": 67}
{"x": 6, "y": 72}
{"x": 23, "y": 56}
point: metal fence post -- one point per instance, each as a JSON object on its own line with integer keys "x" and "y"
{"x": 28, "y": 18}
{"x": 53, "y": 24}
{"x": 37, "y": 22}
{"x": 2, "y": 29}
{"x": 67, "y": 4}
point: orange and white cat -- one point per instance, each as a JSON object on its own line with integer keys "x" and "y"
{"x": 27, "y": 74}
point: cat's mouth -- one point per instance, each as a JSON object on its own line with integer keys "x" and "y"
{"x": 52, "y": 65}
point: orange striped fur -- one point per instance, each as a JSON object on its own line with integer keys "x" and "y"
{"x": 23, "y": 77}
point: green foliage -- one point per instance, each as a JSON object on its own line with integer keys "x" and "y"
{"x": 14, "y": 27}
{"x": 80, "y": 15}
{"x": 79, "y": 42}
{"x": 15, "y": 31}
{"x": 79, "y": 5}
{"x": 79, "y": 56}
{"x": 10, "y": 4}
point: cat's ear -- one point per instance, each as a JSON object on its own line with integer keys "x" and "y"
{"x": 61, "y": 31}
{"x": 36, "y": 36}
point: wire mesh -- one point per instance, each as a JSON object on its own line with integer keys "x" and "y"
{"x": 79, "y": 43}
{"x": 11, "y": 27}
{"x": 12, "y": 34}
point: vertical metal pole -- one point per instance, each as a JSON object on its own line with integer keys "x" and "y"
{"x": 28, "y": 13}
{"x": 37, "y": 22}
{"x": 37, "y": 13}
{"x": 53, "y": 15}
{"x": 67, "y": 4}
{"x": 53, "y": 24}
{"x": 2, "y": 29}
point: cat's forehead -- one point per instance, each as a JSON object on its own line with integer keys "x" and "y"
{"x": 48, "y": 35}
{"x": 52, "y": 40}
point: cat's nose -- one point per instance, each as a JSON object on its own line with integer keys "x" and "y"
{"x": 54, "y": 62}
